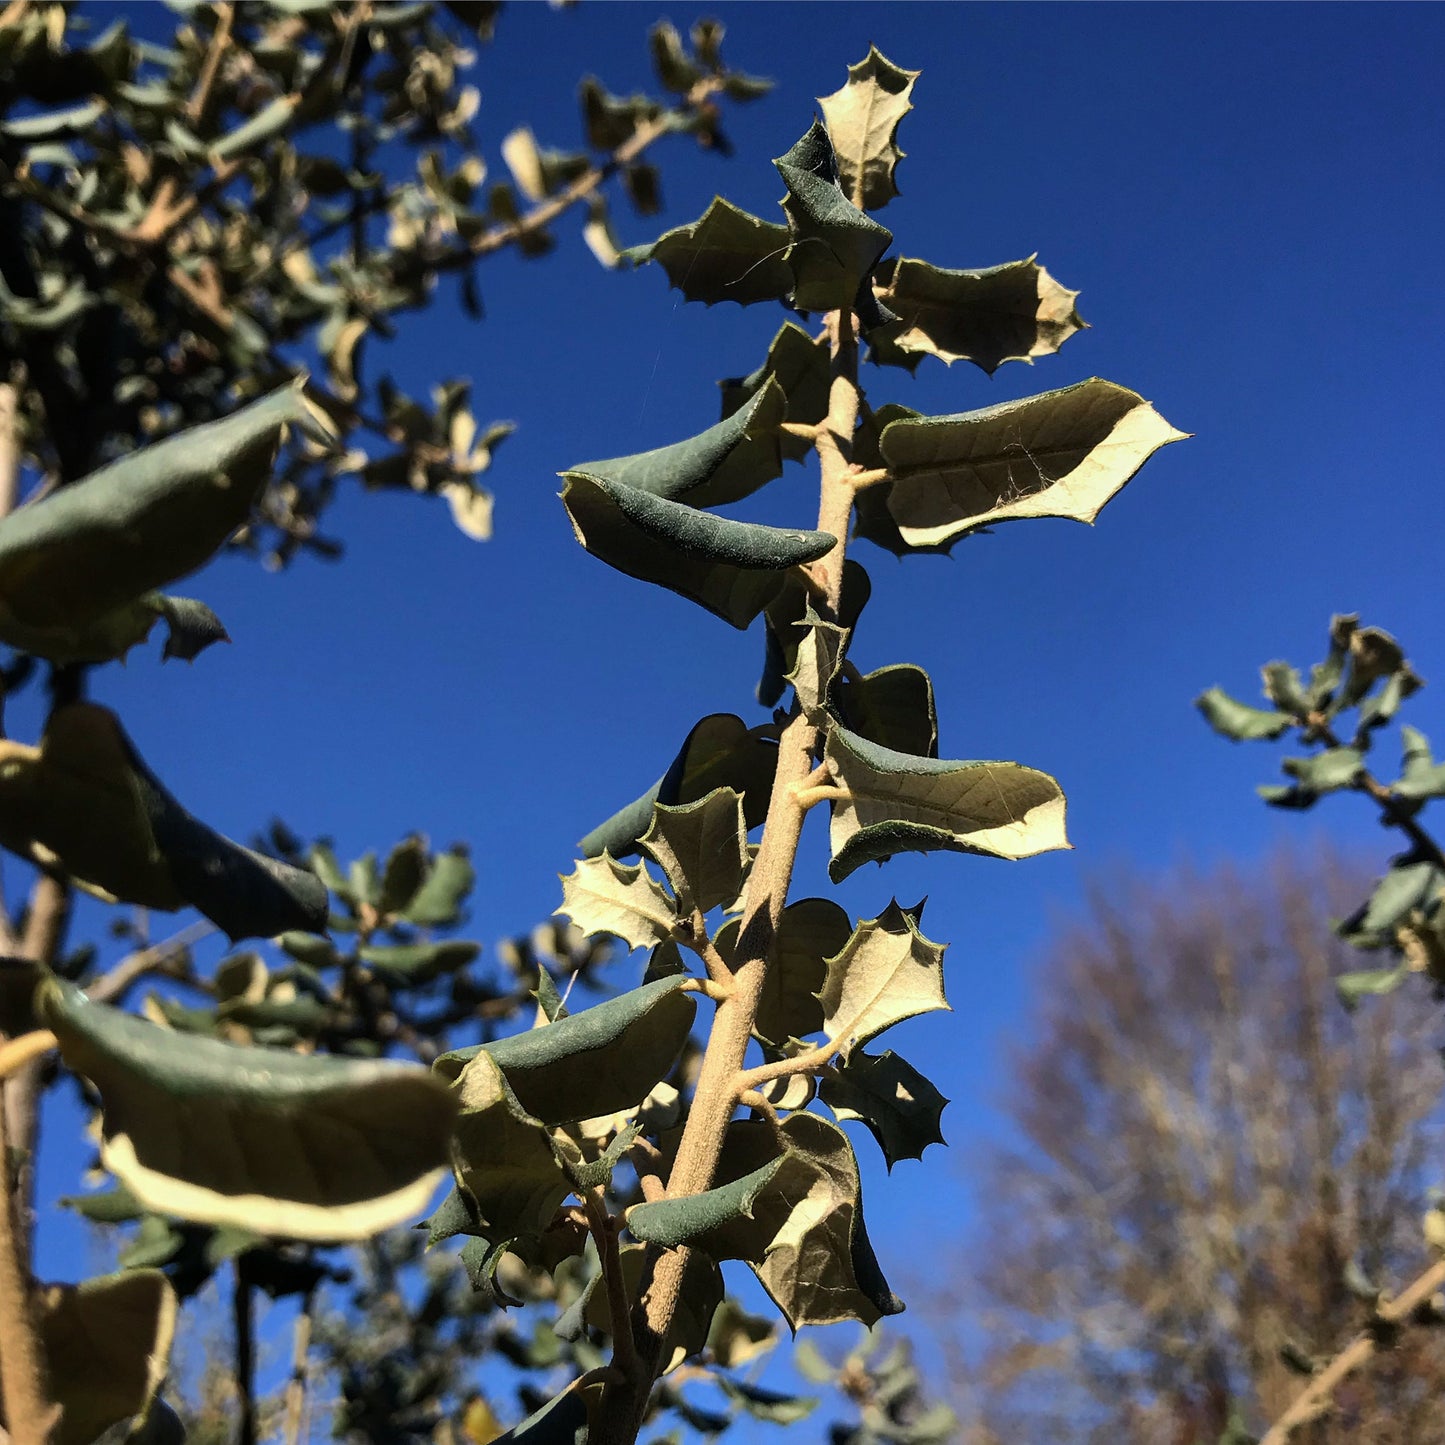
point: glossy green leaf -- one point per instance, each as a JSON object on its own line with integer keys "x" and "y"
{"x": 886, "y": 972}
{"x": 85, "y": 802}
{"x": 702, "y": 848}
{"x": 1233, "y": 719}
{"x": 671, "y": 1223}
{"x": 893, "y": 802}
{"x": 726, "y": 462}
{"x": 800, "y": 365}
{"x": 75, "y": 565}
{"x": 833, "y": 245}
{"x": 504, "y": 1160}
{"x": 725, "y": 255}
{"x": 448, "y": 883}
{"x": 733, "y": 569}
{"x": 1060, "y": 454}
{"x": 720, "y": 751}
{"x": 809, "y": 932}
{"x": 598, "y": 1061}
{"x": 892, "y": 707}
{"x": 291, "y": 1145}
{"x": 1013, "y": 312}
{"x": 106, "y": 1344}
{"x": 901, "y": 1108}
{"x": 862, "y": 120}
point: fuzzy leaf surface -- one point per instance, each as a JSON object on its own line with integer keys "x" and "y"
{"x": 862, "y": 120}
{"x": 799, "y": 364}
{"x": 720, "y": 751}
{"x": 701, "y": 1294}
{"x": 726, "y": 254}
{"x": 806, "y": 1242}
{"x": 1013, "y": 312}
{"x": 1237, "y": 720}
{"x": 84, "y": 801}
{"x": 1060, "y": 454}
{"x": 503, "y": 1157}
{"x": 601, "y": 895}
{"x": 818, "y": 656}
{"x": 898, "y": 802}
{"x": 674, "y": 1222}
{"x": 284, "y": 1144}
{"x": 107, "y": 1345}
{"x": 892, "y": 707}
{"x": 599, "y": 1061}
{"x": 886, "y": 972}
{"x": 809, "y": 932}
{"x": 702, "y": 847}
{"x": 733, "y": 569}
{"x": 74, "y": 565}
{"x": 725, "y": 463}
{"x": 833, "y": 245}
{"x": 901, "y": 1108}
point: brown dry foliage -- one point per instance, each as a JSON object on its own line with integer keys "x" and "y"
{"x": 1205, "y": 1139}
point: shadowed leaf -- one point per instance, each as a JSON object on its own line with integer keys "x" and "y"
{"x": 901, "y": 1108}
{"x": 725, "y": 255}
{"x": 674, "y": 1222}
{"x": 291, "y": 1145}
{"x": 1239, "y": 721}
{"x": 892, "y": 707}
{"x": 799, "y": 364}
{"x": 809, "y": 932}
{"x": 449, "y": 881}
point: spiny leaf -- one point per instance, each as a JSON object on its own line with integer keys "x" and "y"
{"x": 1013, "y": 312}
{"x": 601, "y": 895}
{"x": 702, "y": 847}
{"x": 819, "y": 655}
{"x": 599, "y": 1061}
{"x": 671, "y": 1223}
{"x": 895, "y": 802}
{"x": 733, "y": 569}
{"x": 503, "y": 1157}
{"x": 799, "y": 364}
{"x": 862, "y": 120}
{"x": 901, "y": 1108}
{"x": 809, "y": 932}
{"x": 1285, "y": 688}
{"x": 1237, "y": 720}
{"x": 1060, "y": 454}
{"x": 892, "y": 707}
{"x": 833, "y": 245}
{"x": 720, "y": 751}
{"x": 75, "y": 564}
{"x": 727, "y": 462}
{"x": 85, "y": 802}
{"x": 784, "y": 616}
{"x": 291, "y": 1145}
{"x": 886, "y": 972}
{"x": 106, "y": 1344}
{"x": 806, "y": 1241}
{"x": 725, "y": 255}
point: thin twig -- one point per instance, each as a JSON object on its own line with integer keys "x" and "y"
{"x": 245, "y": 1346}
{"x": 624, "y": 1350}
{"x": 16, "y": 1053}
{"x": 1318, "y": 1395}
{"x": 28, "y": 1410}
{"x": 111, "y": 985}
{"x": 300, "y": 1362}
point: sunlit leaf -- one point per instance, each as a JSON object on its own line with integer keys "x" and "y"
{"x": 601, "y": 895}
{"x": 893, "y": 802}
{"x": 702, "y": 848}
{"x": 862, "y": 120}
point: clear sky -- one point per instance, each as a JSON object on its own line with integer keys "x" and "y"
{"x": 1249, "y": 197}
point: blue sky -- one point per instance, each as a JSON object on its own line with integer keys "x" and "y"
{"x": 1249, "y": 199}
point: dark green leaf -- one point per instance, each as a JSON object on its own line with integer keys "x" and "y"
{"x": 561, "y": 1421}
{"x": 768, "y": 1405}
{"x": 670, "y": 61}
{"x": 892, "y": 707}
{"x": 599, "y": 1061}
{"x": 405, "y": 965}
{"x": 809, "y": 932}
{"x": 725, "y": 255}
{"x": 901, "y": 1108}
{"x": 449, "y": 881}
{"x": 799, "y": 364}
{"x": 110, "y": 1206}
{"x": 733, "y": 569}
{"x": 728, "y": 461}
{"x": 192, "y": 625}
{"x": 720, "y": 751}
{"x": 833, "y": 245}
{"x": 290, "y": 1145}
{"x": 402, "y": 876}
{"x": 671, "y": 1223}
